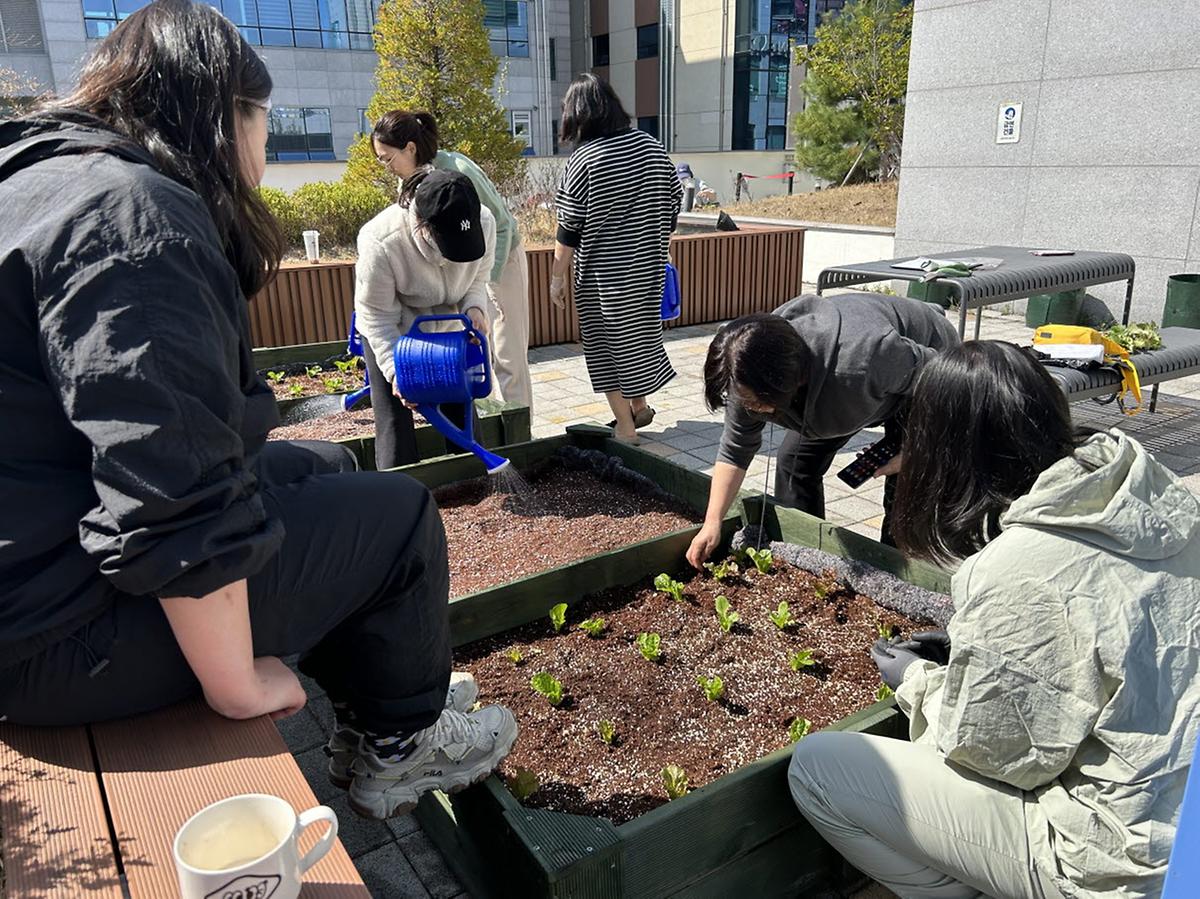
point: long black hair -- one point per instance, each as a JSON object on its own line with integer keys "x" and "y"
{"x": 760, "y": 354}
{"x": 985, "y": 420}
{"x": 172, "y": 78}
{"x": 591, "y": 109}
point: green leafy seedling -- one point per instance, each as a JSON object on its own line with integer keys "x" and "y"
{"x": 313, "y": 371}
{"x": 294, "y": 390}
{"x": 802, "y": 658}
{"x": 713, "y": 687}
{"x": 884, "y": 692}
{"x": 607, "y": 732}
{"x": 558, "y": 616}
{"x": 799, "y": 729}
{"x": 761, "y": 558}
{"x": 675, "y": 781}
{"x": 886, "y": 631}
{"x": 523, "y": 784}
{"x": 549, "y": 686}
{"x": 664, "y": 583}
{"x": 345, "y": 366}
{"x": 334, "y": 384}
{"x": 722, "y": 570}
{"x": 275, "y": 376}
{"x": 514, "y": 655}
{"x": 782, "y": 618}
{"x": 650, "y": 646}
{"x": 725, "y": 614}
{"x": 593, "y": 627}
{"x": 821, "y": 589}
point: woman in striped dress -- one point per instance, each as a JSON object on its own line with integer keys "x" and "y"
{"x": 618, "y": 202}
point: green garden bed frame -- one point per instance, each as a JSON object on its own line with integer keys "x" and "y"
{"x": 738, "y": 834}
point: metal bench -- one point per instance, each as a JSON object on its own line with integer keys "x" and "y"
{"x": 94, "y": 810}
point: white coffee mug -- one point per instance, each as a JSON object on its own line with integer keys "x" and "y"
{"x": 312, "y": 245}
{"x": 244, "y": 847}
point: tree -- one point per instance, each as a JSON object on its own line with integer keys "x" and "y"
{"x": 434, "y": 55}
{"x": 852, "y": 127}
{"x": 18, "y": 92}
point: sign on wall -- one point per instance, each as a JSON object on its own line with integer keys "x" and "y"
{"x": 1008, "y": 123}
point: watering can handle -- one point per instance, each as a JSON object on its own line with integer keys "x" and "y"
{"x": 458, "y": 317}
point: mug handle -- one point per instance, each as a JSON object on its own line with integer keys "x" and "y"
{"x": 312, "y": 816}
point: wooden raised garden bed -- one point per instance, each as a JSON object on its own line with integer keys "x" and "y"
{"x": 738, "y": 833}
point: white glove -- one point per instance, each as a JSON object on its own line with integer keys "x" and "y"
{"x": 558, "y": 291}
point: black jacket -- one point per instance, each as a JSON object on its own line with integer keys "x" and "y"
{"x": 131, "y": 412}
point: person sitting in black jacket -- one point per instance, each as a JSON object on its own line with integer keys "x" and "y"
{"x": 153, "y": 544}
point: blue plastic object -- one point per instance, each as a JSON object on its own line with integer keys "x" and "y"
{"x": 1183, "y": 871}
{"x": 672, "y": 302}
{"x": 435, "y": 367}
{"x": 355, "y": 348}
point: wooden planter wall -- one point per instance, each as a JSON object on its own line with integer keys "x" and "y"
{"x": 722, "y": 275}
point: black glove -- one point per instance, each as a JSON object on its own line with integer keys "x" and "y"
{"x": 892, "y": 659}
{"x": 931, "y": 645}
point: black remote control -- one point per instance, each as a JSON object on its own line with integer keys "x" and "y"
{"x": 875, "y": 456}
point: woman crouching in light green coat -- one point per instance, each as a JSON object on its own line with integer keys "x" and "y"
{"x": 1053, "y": 727}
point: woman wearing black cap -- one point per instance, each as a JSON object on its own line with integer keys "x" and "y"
{"x": 430, "y": 253}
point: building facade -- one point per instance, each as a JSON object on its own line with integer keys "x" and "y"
{"x": 319, "y": 53}
{"x": 1069, "y": 125}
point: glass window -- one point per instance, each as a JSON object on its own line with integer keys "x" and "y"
{"x": 507, "y": 22}
{"x": 649, "y": 124}
{"x": 522, "y": 129}
{"x": 600, "y": 50}
{"x": 299, "y": 134}
{"x": 647, "y": 41}
{"x": 553, "y": 60}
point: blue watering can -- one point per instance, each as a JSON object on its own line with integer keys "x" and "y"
{"x": 354, "y": 348}
{"x": 672, "y": 302}
{"x": 435, "y": 367}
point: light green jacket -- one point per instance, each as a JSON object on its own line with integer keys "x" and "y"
{"x": 1075, "y": 670}
{"x": 506, "y": 225}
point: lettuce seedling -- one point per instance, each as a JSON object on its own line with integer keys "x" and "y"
{"x": 523, "y": 784}
{"x": 675, "y": 781}
{"x": 725, "y": 614}
{"x": 886, "y": 631}
{"x": 761, "y": 558}
{"x": 334, "y": 384}
{"x": 799, "y": 729}
{"x": 514, "y": 655}
{"x": 607, "y": 732}
{"x": 345, "y": 366}
{"x": 821, "y": 589}
{"x": 593, "y": 627}
{"x": 713, "y": 687}
{"x": 722, "y": 570}
{"x": 782, "y": 618}
{"x": 801, "y": 659}
{"x": 558, "y": 616}
{"x": 649, "y": 645}
{"x": 313, "y": 371}
{"x": 664, "y": 583}
{"x": 549, "y": 686}
{"x": 294, "y": 390}
{"x": 884, "y": 692}
{"x": 275, "y": 376}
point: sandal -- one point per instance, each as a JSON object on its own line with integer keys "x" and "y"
{"x": 641, "y": 420}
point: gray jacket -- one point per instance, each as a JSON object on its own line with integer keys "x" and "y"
{"x": 866, "y": 350}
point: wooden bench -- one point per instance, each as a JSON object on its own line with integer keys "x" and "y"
{"x": 92, "y": 811}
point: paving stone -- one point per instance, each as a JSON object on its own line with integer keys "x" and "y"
{"x": 388, "y": 874}
{"x": 358, "y": 834}
{"x": 314, "y": 765}
{"x": 403, "y": 825}
{"x": 690, "y": 462}
{"x": 301, "y": 731}
{"x": 853, "y": 508}
{"x": 688, "y": 441}
{"x": 431, "y": 868}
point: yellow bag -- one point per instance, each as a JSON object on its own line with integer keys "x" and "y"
{"x": 1114, "y": 354}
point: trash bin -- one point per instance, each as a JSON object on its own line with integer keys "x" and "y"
{"x": 931, "y": 292}
{"x": 1054, "y": 308}
{"x": 1182, "y": 308}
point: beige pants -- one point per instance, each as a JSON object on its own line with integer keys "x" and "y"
{"x": 510, "y": 331}
{"x": 921, "y": 826}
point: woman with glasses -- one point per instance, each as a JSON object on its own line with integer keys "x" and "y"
{"x": 153, "y": 545}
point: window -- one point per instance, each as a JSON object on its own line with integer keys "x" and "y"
{"x": 328, "y": 24}
{"x": 649, "y": 124}
{"x": 553, "y": 51}
{"x": 522, "y": 129}
{"x": 508, "y": 26}
{"x": 647, "y": 41}
{"x": 299, "y": 134}
{"x": 600, "y": 50}
{"x": 19, "y": 26}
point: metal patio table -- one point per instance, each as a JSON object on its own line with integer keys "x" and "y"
{"x": 1019, "y": 276}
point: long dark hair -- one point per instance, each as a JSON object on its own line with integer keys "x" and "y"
{"x": 172, "y": 78}
{"x": 591, "y": 109}
{"x": 984, "y": 422}
{"x": 759, "y": 353}
{"x": 399, "y": 127}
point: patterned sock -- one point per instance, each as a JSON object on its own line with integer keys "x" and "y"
{"x": 390, "y": 748}
{"x": 344, "y": 717}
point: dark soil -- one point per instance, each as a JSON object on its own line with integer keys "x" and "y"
{"x": 297, "y": 384}
{"x": 568, "y": 515}
{"x": 661, "y": 714}
{"x": 339, "y": 426}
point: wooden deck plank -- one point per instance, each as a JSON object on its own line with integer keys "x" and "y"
{"x": 54, "y": 837}
{"x": 160, "y": 769}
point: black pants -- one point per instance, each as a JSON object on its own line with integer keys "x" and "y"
{"x": 395, "y": 432}
{"x": 801, "y": 465}
{"x": 359, "y": 589}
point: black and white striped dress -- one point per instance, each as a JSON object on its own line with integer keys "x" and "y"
{"x": 618, "y": 201}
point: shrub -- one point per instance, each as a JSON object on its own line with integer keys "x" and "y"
{"x": 283, "y": 207}
{"x": 338, "y": 209}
